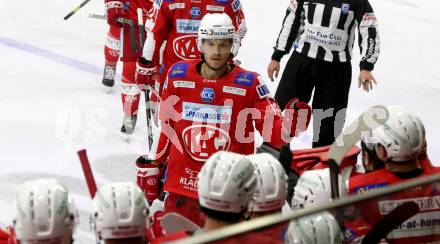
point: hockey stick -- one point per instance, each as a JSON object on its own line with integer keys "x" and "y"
{"x": 174, "y": 222}
{"x": 390, "y": 221}
{"x": 366, "y": 122}
{"x": 369, "y": 120}
{"x": 76, "y": 9}
{"x": 130, "y": 23}
{"x": 147, "y": 88}
{"x": 88, "y": 174}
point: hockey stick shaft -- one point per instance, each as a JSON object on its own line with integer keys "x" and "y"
{"x": 88, "y": 174}
{"x": 130, "y": 23}
{"x": 76, "y": 10}
{"x": 147, "y": 89}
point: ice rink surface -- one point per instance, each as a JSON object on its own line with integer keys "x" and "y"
{"x": 52, "y": 102}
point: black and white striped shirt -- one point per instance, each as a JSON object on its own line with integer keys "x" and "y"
{"x": 325, "y": 30}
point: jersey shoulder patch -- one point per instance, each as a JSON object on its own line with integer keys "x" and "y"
{"x": 178, "y": 70}
{"x": 236, "y": 5}
{"x": 262, "y": 89}
{"x": 222, "y": 1}
{"x": 245, "y": 78}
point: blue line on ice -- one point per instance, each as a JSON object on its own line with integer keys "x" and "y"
{"x": 51, "y": 56}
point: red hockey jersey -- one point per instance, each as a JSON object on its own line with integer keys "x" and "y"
{"x": 177, "y": 23}
{"x": 424, "y": 227}
{"x": 201, "y": 116}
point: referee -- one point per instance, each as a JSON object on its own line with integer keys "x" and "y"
{"x": 322, "y": 33}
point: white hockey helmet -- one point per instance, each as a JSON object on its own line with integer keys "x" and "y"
{"x": 120, "y": 210}
{"x": 314, "y": 187}
{"x": 217, "y": 26}
{"x": 43, "y": 212}
{"x": 319, "y": 228}
{"x": 402, "y": 135}
{"x": 271, "y": 191}
{"x": 226, "y": 182}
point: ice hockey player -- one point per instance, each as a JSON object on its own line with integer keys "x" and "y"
{"x": 120, "y": 213}
{"x": 176, "y": 23}
{"x": 43, "y": 212}
{"x": 112, "y": 49}
{"x": 319, "y": 228}
{"x": 210, "y": 105}
{"x": 130, "y": 92}
{"x": 270, "y": 194}
{"x": 400, "y": 141}
{"x": 227, "y": 183}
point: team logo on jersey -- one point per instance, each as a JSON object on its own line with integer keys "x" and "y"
{"x": 345, "y": 8}
{"x": 198, "y": 112}
{"x": 263, "y": 91}
{"x": 244, "y": 79}
{"x": 185, "y": 47}
{"x": 221, "y": 1}
{"x": 236, "y": 5}
{"x": 187, "y": 25}
{"x": 201, "y": 141}
{"x": 178, "y": 70}
{"x": 195, "y": 12}
{"x": 207, "y": 95}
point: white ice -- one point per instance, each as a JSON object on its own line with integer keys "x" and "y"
{"x": 52, "y": 102}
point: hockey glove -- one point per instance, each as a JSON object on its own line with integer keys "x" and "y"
{"x": 296, "y": 115}
{"x": 115, "y": 9}
{"x": 145, "y": 73}
{"x": 148, "y": 176}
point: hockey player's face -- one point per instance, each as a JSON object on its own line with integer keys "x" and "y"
{"x": 216, "y": 52}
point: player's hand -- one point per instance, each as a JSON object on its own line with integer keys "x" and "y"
{"x": 366, "y": 80}
{"x": 273, "y": 68}
{"x": 115, "y": 9}
{"x": 145, "y": 73}
{"x": 148, "y": 176}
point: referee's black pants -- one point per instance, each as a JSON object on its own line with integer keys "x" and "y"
{"x": 331, "y": 82}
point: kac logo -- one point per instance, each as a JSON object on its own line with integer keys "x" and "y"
{"x": 207, "y": 94}
{"x": 185, "y": 47}
{"x": 195, "y": 12}
{"x": 201, "y": 141}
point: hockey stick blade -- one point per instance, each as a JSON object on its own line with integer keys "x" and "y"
{"x": 88, "y": 174}
{"x": 174, "y": 222}
{"x": 97, "y": 16}
{"x": 369, "y": 120}
{"x": 390, "y": 221}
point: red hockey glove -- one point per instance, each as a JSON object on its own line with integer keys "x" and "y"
{"x": 145, "y": 72}
{"x": 297, "y": 115}
{"x": 148, "y": 176}
{"x": 115, "y": 9}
